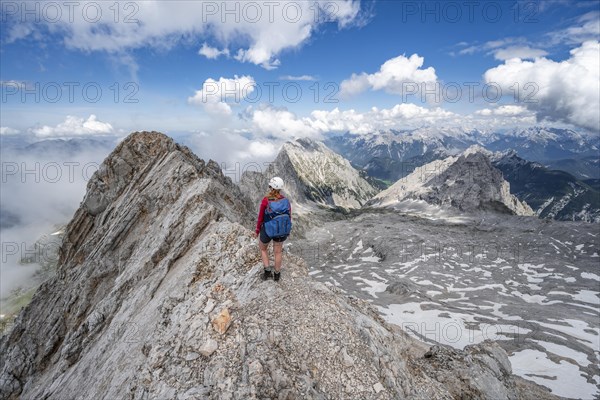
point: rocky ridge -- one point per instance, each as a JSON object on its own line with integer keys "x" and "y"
{"x": 467, "y": 182}
{"x": 158, "y": 296}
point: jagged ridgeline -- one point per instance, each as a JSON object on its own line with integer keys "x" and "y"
{"x": 321, "y": 184}
{"x": 157, "y": 296}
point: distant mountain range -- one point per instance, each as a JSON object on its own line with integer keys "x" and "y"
{"x": 48, "y": 147}
{"x": 547, "y": 144}
{"x": 527, "y": 158}
{"x": 391, "y": 155}
{"x": 555, "y": 171}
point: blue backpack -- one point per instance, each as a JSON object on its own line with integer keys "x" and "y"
{"x": 278, "y": 223}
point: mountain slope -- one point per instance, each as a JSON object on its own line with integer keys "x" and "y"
{"x": 323, "y": 176}
{"x": 391, "y": 155}
{"x": 552, "y": 194}
{"x": 318, "y": 181}
{"x": 158, "y": 296}
{"x": 581, "y": 168}
{"x": 467, "y": 182}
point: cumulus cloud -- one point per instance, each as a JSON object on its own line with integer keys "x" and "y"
{"x": 5, "y": 130}
{"x": 212, "y": 53}
{"x": 215, "y": 96}
{"x": 283, "y": 124}
{"x": 254, "y": 32}
{"x": 73, "y": 127}
{"x": 523, "y": 52}
{"x": 507, "y": 110}
{"x": 401, "y": 116}
{"x": 393, "y": 77}
{"x": 565, "y": 91}
{"x": 279, "y": 123}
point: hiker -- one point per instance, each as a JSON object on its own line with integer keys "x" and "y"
{"x": 274, "y": 223}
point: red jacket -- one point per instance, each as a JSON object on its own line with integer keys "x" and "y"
{"x": 261, "y": 213}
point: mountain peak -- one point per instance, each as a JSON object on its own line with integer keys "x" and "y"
{"x": 477, "y": 149}
{"x": 467, "y": 182}
{"x": 315, "y": 175}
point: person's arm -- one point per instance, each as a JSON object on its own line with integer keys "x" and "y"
{"x": 290, "y": 208}
{"x": 261, "y": 213}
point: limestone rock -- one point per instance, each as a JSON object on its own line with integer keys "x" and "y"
{"x": 209, "y": 347}
{"x": 467, "y": 182}
{"x": 222, "y": 322}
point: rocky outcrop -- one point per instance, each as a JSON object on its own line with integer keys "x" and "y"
{"x": 317, "y": 181}
{"x": 551, "y": 193}
{"x": 158, "y": 296}
{"x": 468, "y": 182}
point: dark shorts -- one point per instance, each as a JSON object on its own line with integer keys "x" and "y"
{"x": 266, "y": 239}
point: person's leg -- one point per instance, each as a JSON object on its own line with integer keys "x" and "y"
{"x": 264, "y": 253}
{"x": 278, "y": 251}
{"x": 263, "y": 244}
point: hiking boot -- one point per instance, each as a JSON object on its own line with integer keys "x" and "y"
{"x": 276, "y": 276}
{"x": 267, "y": 273}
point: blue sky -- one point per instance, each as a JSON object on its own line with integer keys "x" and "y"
{"x": 154, "y": 59}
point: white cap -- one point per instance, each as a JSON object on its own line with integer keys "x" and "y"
{"x": 276, "y": 183}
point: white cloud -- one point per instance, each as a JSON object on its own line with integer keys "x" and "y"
{"x": 212, "y": 53}
{"x": 584, "y": 28}
{"x": 283, "y": 124}
{"x": 566, "y": 91}
{"x": 5, "y": 130}
{"x": 297, "y": 78}
{"x": 261, "y": 149}
{"x": 504, "y": 49}
{"x": 256, "y": 32}
{"x": 215, "y": 96}
{"x": 393, "y": 77}
{"x": 523, "y": 52}
{"x": 507, "y": 111}
{"x": 587, "y": 28}
{"x": 74, "y": 126}
{"x": 280, "y": 123}
{"x": 485, "y": 112}
{"x": 401, "y": 116}
{"x": 235, "y": 152}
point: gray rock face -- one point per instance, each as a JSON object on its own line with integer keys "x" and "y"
{"x": 468, "y": 182}
{"x": 158, "y": 296}
{"x": 320, "y": 183}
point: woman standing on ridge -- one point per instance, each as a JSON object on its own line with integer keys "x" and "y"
{"x": 274, "y": 223}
